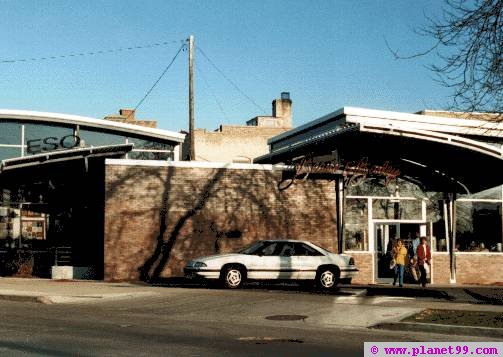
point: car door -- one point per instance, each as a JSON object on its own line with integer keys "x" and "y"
{"x": 266, "y": 262}
{"x": 287, "y": 262}
{"x": 306, "y": 261}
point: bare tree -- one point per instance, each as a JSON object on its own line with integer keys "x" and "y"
{"x": 469, "y": 42}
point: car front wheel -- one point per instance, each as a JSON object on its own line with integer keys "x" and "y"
{"x": 233, "y": 277}
{"x": 327, "y": 278}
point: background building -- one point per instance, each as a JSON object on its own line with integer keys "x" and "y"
{"x": 242, "y": 143}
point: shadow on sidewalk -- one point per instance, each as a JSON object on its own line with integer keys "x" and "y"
{"x": 279, "y": 286}
{"x": 487, "y": 296}
{"x": 409, "y": 292}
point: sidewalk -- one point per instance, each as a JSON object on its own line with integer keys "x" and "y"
{"x": 457, "y": 298}
{"x": 75, "y": 291}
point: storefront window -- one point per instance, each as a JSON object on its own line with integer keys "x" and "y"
{"x": 10, "y": 133}
{"x": 41, "y": 131}
{"x": 42, "y": 137}
{"x": 356, "y": 224}
{"x": 393, "y": 209}
{"x": 478, "y": 226}
{"x": 95, "y": 138}
{"x": 9, "y": 152}
{"x": 492, "y": 193}
{"x": 149, "y": 155}
{"x": 149, "y": 144}
{"x": 435, "y": 227}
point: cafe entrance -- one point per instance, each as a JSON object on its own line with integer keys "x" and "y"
{"x": 385, "y": 236}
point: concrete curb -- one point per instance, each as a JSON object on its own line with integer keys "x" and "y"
{"x": 65, "y": 299}
{"x": 20, "y": 298}
{"x": 441, "y": 329}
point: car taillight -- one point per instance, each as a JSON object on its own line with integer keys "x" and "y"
{"x": 351, "y": 261}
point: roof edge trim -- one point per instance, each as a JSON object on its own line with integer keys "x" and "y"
{"x": 93, "y": 122}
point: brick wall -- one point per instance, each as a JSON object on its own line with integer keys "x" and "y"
{"x": 158, "y": 218}
{"x": 441, "y": 270}
{"x": 479, "y": 268}
{"x": 364, "y": 262}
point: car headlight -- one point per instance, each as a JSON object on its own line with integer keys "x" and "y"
{"x": 199, "y": 265}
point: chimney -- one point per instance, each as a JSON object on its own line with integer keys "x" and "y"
{"x": 128, "y": 113}
{"x": 282, "y": 110}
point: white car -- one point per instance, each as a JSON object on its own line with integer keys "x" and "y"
{"x": 275, "y": 259}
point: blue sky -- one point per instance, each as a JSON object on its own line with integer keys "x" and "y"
{"x": 327, "y": 54}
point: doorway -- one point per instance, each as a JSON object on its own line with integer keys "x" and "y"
{"x": 385, "y": 234}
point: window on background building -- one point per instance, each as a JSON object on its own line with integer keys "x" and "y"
{"x": 356, "y": 224}
{"x": 478, "y": 226}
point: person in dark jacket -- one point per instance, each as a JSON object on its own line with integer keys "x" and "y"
{"x": 423, "y": 257}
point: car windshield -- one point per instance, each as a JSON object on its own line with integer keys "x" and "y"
{"x": 251, "y": 249}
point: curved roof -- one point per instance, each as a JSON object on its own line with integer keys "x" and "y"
{"x": 59, "y": 118}
{"x": 455, "y": 126}
{"x": 436, "y": 151}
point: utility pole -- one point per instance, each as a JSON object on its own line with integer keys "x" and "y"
{"x": 192, "y": 153}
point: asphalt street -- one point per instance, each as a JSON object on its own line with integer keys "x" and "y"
{"x": 208, "y": 322}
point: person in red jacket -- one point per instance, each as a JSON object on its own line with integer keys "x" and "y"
{"x": 423, "y": 253}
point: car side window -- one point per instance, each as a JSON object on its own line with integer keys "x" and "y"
{"x": 305, "y": 250}
{"x": 269, "y": 249}
{"x": 288, "y": 250}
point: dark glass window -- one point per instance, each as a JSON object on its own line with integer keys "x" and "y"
{"x": 10, "y": 133}
{"x": 304, "y": 249}
{"x": 287, "y": 250}
{"x": 34, "y": 131}
{"x": 262, "y": 248}
{"x": 35, "y": 134}
{"x": 140, "y": 143}
{"x": 98, "y": 138}
{"x": 7, "y": 153}
{"x": 148, "y": 155}
{"x": 356, "y": 224}
{"x": 478, "y": 227}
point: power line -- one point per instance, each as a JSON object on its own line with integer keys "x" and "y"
{"x": 212, "y": 93}
{"x": 230, "y": 81}
{"x": 158, "y": 79}
{"x": 91, "y": 53}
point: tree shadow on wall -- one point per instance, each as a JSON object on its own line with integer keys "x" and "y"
{"x": 218, "y": 211}
{"x": 151, "y": 270}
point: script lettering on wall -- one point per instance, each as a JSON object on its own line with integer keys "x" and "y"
{"x": 354, "y": 172}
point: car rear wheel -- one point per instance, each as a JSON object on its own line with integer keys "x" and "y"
{"x": 327, "y": 278}
{"x": 233, "y": 277}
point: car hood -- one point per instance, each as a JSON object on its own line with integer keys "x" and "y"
{"x": 218, "y": 256}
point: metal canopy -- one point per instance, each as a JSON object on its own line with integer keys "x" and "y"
{"x": 65, "y": 155}
{"x": 436, "y": 160}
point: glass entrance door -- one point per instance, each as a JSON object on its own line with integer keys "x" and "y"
{"x": 385, "y": 235}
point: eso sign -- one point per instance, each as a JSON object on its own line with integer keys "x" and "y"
{"x": 37, "y": 146}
